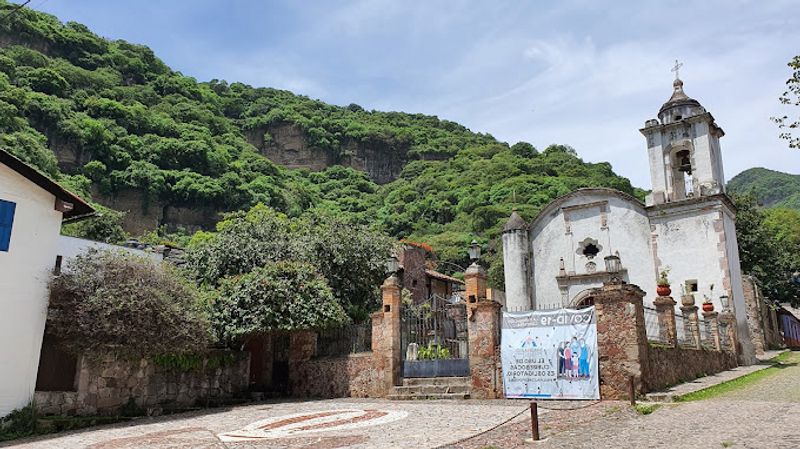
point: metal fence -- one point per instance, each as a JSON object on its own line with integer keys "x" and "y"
{"x": 437, "y": 329}
{"x": 344, "y": 340}
{"x": 651, "y": 325}
{"x": 683, "y": 334}
{"x": 724, "y": 341}
{"x": 706, "y": 340}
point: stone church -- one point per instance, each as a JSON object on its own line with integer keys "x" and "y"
{"x": 686, "y": 225}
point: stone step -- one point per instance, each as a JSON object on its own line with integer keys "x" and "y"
{"x": 411, "y": 397}
{"x": 431, "y": 389}
{"x": 410, "y": 381}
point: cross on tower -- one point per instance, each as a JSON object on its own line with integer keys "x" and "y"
{"x": 677, "y": 67}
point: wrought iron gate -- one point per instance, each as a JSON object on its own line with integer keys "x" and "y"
{"x": 434, "y": 338}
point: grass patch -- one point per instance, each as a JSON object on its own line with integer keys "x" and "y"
{"x": 727, "y": 443}
{"x": 781, "y": 361}
{"x": 646, "y": 409}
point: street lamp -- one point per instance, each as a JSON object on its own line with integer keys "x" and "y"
{"x": 392, "y": 264}
{"x": 613, "y": 266}
{"x": 474, "y": 251}
{"x": 725, "y": 301}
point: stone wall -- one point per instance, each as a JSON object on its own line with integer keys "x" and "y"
{"x": 105, "y": 385}
{"x": 336, "y": 377}
{"x": 670, "y": 366}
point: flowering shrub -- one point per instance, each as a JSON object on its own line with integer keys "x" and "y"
{"x": 127, "y": 304}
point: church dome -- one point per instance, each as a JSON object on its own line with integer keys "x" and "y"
{"x": 678, "y": 98}
{"x": 514, "y": 223}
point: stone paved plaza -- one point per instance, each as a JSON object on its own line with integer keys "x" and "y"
{"x": 765, "y": 414}
{"x": 321, "y": 424}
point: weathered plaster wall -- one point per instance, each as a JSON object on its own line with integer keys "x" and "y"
{"x": 355, "y": 376}
{"x": 670, "y": 366}
{"x": 25, "y": 271}
{"x": 623, "y": 227}
{"x": 105, "y": 385}
{"x": 747, "y": 353}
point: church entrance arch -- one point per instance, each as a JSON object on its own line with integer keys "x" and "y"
{"x": 582, "y": 300}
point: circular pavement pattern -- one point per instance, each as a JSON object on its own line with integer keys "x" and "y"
{"x": 301, "y": 424}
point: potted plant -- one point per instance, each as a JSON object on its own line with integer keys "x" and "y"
{"x": 662, "y": 284}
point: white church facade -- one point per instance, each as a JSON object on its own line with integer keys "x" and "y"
{"x": 686, "y": 225}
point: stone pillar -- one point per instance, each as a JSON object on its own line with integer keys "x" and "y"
{"x": 390, "y": 349}
{"x": 483, "y": 329}
{"x": 692, "y": 325}
{"x": 475, "y": 283}
{"x": 379, "y": 388}
{"x": 712, "y": 320}
{"x": 621, "y": 339}
{"x": 729, "y": 319}
{"x": 665, "y": 306}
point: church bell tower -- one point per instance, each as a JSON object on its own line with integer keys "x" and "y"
{"x": 683, "y": 149}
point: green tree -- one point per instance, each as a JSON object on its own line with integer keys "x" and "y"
{"x": 761, "y": 253}
{"x": 281, "y": 296}
{"x": 791, "y": 97}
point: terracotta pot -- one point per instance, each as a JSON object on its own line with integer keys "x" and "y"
{"x": 663, "y": 290}
{"x": 708, "y": 307}
{"x": 687, "y": 300}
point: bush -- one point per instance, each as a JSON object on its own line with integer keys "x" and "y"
{"x": 279, "y": 296}
{"x": 130, "y": 305}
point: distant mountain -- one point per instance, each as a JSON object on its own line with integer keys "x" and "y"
{"x": 771, "y": 188}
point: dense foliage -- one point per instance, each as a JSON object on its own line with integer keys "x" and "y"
{"x": 769, "y": 247}
{"x": 106, "y": 301}
{"x": 791, "y": 97}
{"x": 350, "y": 257}
{"x": 119, "y": 119}
{"x": 277, "y": 296}
{"x": 771, "y": 188}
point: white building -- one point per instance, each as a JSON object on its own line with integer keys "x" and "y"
{"x": 32, "y": 208}
{"x": 686, "y": 225}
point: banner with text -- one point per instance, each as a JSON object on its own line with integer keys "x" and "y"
{"x": 550, "y": 354}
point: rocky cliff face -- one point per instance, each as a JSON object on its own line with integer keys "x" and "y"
{"x": 287, "y": 145}
{"x": 143, "y": 215}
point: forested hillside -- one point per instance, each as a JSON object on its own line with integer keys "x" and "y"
{"x": 115, "y": 123}
{"x": 771, "y": 188}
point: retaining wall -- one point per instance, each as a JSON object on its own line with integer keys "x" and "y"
{"x": 670, "y": 366}
{"x": 106, "y": 384}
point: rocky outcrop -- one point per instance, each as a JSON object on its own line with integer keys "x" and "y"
{"x": 143, "y": 214}
{"x": 287, "y": 144}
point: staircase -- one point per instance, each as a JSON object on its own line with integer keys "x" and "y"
{"x": 432, "y": 388}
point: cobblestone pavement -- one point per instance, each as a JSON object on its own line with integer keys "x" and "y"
{"x": 315, "y": 424}
{"x": 762, "y": 415}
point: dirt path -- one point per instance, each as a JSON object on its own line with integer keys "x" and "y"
{"x": 761, "y": 415}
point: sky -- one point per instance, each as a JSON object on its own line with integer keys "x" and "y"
{"x": 581, "y": 73}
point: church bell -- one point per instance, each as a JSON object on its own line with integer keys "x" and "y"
{"x": 685, "y": 164}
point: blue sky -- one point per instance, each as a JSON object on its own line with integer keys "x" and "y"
{"x": 583, "y": 73}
